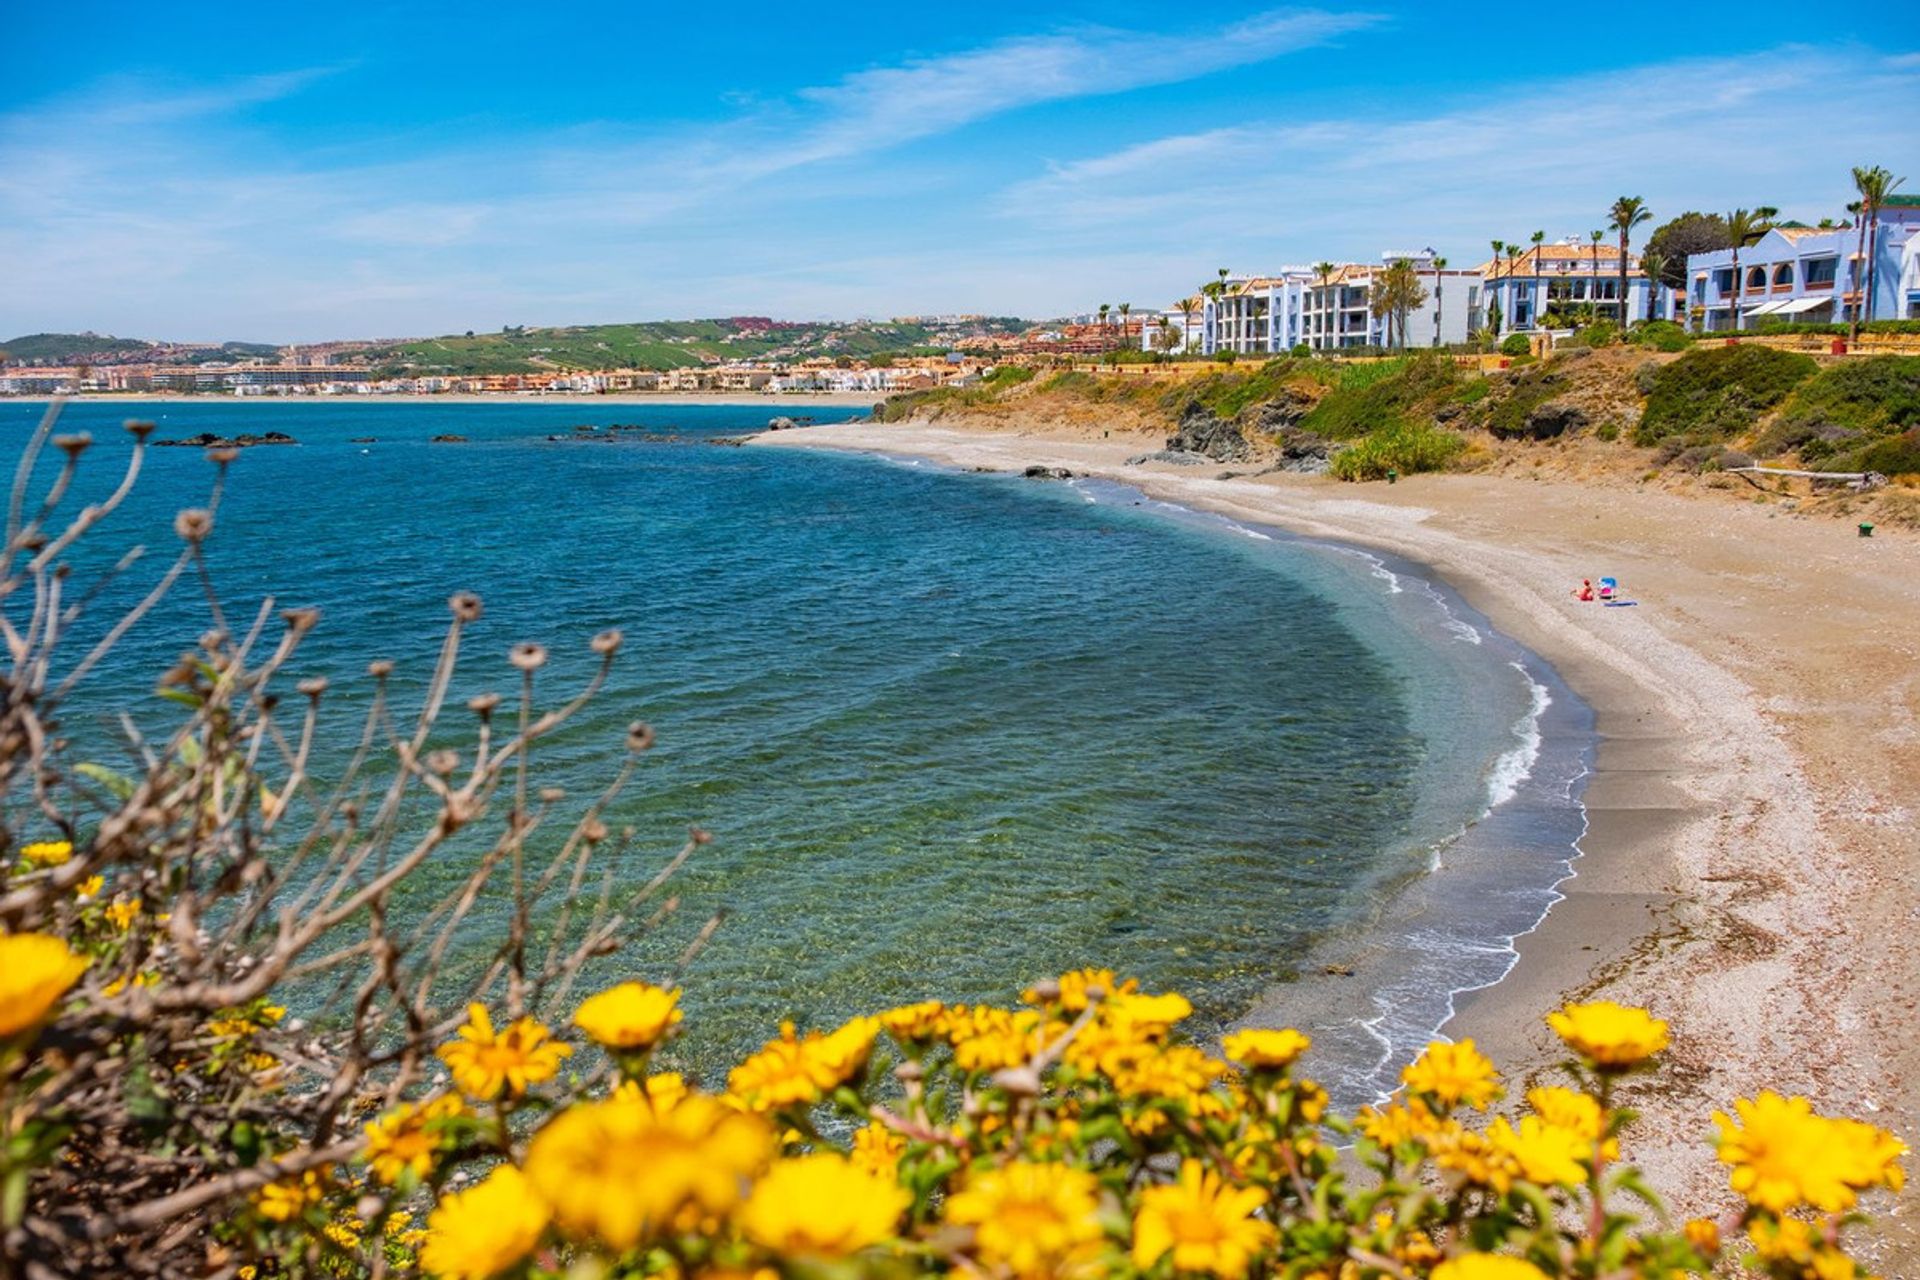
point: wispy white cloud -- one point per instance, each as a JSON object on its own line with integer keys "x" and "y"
{"x": 1745, "y": 130}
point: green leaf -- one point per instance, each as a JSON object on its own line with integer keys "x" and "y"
{"x": 118, "y": 785}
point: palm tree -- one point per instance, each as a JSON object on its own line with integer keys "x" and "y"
{"x": 1439, "y": 331}
{"x": 1744, "y": 226}
{"x": 1874, "y": 186}
{"x": 1652, "y": 265}
{"x": 1125, "y": 307}
{"x": 1499, "y": 247}
{"x": 1328, "y": 316}
{"x": 1537, "y": 237}
{"x": 1216, "y": 290}
{"x": 1103, "y": 328}
{"x": 1855, "y": 210}
{"x": 1627, "y": 213}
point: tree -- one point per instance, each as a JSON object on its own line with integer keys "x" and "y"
{"x": 1186, "y": 325}
{"x": 1687, "y": 234}
{"x": 1493, "y": 308}
{"x": 1166, "y": 338}
{"x": 1217, "y": 291}
{"x": 1329, "y": 317}
{"x": 1396, "y": 292}
{"x": 1125, "y": 307}
{"x": 1439, "y": 266}
{"x": 1627, "y": 213}
{"x": 1874, "y": 186}
{"x": 1104, "y": 339}
{"x": 1654, "y": 266}
{"x": 1744, "y": 226}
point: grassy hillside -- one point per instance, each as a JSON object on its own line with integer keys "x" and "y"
{"x": 65, "y": 348}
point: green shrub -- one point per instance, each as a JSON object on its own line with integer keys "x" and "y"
{"x": 1662, "y": 335}
{"x": 1516, "y": 344}
{"x": 1525, "y": 392}
{"x": 1372, "y": 396}
{"x": 1607, "y": 431}
{"x": 1602, "y": 333}
{"x": 1302, "y": 351}
{"x": 1402, "y": 446}
{"x": 1873, "y": 394}
{"x": 1010, "y": 375}
{"x": 1719, "y": 392}
{"x": 1474, "y": 392}
{"x": 1897, "y": 456}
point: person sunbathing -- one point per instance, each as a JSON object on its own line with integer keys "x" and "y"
{"x": 1585, "y": 590}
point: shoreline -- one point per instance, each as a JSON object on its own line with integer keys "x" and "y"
{"x": 1742, "y": 873}
{"x": 831, "y": 399}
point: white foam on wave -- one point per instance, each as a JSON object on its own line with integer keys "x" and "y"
{"x": 1516, "y": 766}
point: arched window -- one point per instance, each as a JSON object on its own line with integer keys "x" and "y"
{"x": 1756, "y": 277}
{"x": 1783, "y": 276}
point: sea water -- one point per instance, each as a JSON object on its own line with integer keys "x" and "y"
{"x": 951, "y": 733}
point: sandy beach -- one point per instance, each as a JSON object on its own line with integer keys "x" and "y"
{"x": 1754, "y": 820}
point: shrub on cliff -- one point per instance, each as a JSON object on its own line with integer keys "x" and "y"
{"x": 1873, "y": 394}
{"x": 1405, "y": 447}
{"x": 1386, "y": 394}
{"x": 1661, "y": 335}
{"x": 1719, "y": 392}
{"x": 1898, "y": 456}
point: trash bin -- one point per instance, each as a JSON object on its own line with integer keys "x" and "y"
{"x": 1839, "y": 347}
{"x": 1393, "y": 476}
{"x": 1866, "y": 530}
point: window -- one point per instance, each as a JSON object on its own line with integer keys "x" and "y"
{"x": 1783, "y": 276}
{"x": 1756, "y": 277}
{"x": 1820, "y": 272}
{"x": 1723, "y": 281}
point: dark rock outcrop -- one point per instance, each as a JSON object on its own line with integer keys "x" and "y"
{"x": 448, "y": 438}
{"x": 1554, "y": 419}
{"x": 1303, "y": 451}
{"x": 1287, "y": 407}
{"x": 208, "y": 440}
{"x": 1203, "y": 433}
{"x": 1048, "y": 473}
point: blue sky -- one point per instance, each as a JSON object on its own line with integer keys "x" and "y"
{"x": 196, "y": 171}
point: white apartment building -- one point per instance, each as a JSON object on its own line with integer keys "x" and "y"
{"x": 1272, "y": 314}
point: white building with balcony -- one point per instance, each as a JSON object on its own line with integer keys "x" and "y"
{"x": 1816, "y": 275}
{"x": 1270, "y": 315}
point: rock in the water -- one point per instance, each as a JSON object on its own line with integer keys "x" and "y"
{"x": 364, "y": 440}
{"x": 208, "y": 440}
{"x": 1178, "y": 457}
{"x": 1202, "y": 433}
{"x": 448, "y": 438}
{"x": 784, "y": 423}
{"x": 1048, "y": 473}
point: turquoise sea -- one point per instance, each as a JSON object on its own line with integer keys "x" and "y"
{"x": 951, "y": 732}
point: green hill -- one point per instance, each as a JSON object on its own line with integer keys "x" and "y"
{"x": 67, "y": 348}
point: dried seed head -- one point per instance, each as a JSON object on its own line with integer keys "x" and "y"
{"x": 193, "y": 524}
{"x": 268, "y": 701}
{"x": 639, "y": 737}
{"x": 33, "y": 541}
{"x": 552, "y": 795}
{"x": 465, "y": 606}
{"x": 380, "y": 668}
{"x": 482, "y": 704}
{"x": 442, "y": 762}
{"x": 313, "y": 686}
{"x": 300, "y": 621}
{"x": 699, "y": 835}
{"x": 1096, "y": 993}
{"x": 528, "y": 656}
{"x": 137, "y": 429}
{"x": 221, "y": 457}
{"x": 607, "y": 643}
{"x": 1046, "y": 992}
{"x": 909, "y": 1072}
{"x": 593, "y": 831}
{"x": 369, "y": 1207}
{"x": 74, "y": 445}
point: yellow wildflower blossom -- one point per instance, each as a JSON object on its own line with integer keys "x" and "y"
{"x": 794, "y": 1070}
{"x": 485, "y": 1064}
{"x": 341, "y": 1235}
{"x": 408, "y": 1137}
{"x": 1148, "y": 1012}
{"x": 36, "y": 970}
{"x": 145, "y": 978}
{"x": 1472, "y": 1156}
{"x": 123, "y": 912}
{"x": 89, "y": 887}
{"x": 1784, "y": 1155}
{"x": 988, "y": 1039}
{"x": 1546, "y": 1154}
{"x": 877, "y": 1150}
{"x": 620, "y": 1172}
{"x": 1569, "y": 1109}
{"x": 1487, "y": 1266}
{"x": 289, "y": 1198}
{"x": 478, "y": 1233}
{"x": 1266, "y": 1050}
{"x": 822, "y": 1206}
{"x": 629, "y": 1017}
{"x": 1178, "y": 1071}
{"x": 1611, "y": 1036}
{"x": 47, "y": 853}
{"x": 1033, "y": 1220}
{"x": 1206, "y": 1224}
{"x": 1396, "y": 1123}
{"x": 915, "y": 1023}
{"x": 1076, "y": 988}
{"x": 660, "y": 1091}
{"x": 1704, "y": 1235}
{"x": 1454, "y": 1073}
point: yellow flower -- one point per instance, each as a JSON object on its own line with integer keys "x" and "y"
{"x": 1487, "y": 1266}
{"x": 89, "y": 887}
{"x": 877, "y": 1150}
{"x": 122, "y": 913}
{"x": 1144, "y": 1011}
{"x": 1207, "y": 1225}
{"x": 1392, "y": 1125}
{"x": 1177, "y": 1071}
{"x": 822, "y": 1206}
{"x": 620, "y": 1172}
{"x": 1266, "y": 1050}
{"x": 1704, "y": 1235}
{"x": 989, "y": 1039}
{"x": 479, "y": 1233}
{"x": 793, "y": 1070}
{"x": 485, "y": 1065}
{"x": 629, "y": 1017}
{"x": 1609, "y": 1035}
{"x": 1454, "y": 1073}
{"x": 914, "y": 1023}
{"x": 35, "y": 971}
{"x": 47, "y": 853}
{"x": 409, "y": 1136}
{"x": 1546, "y": 1154}
{"x": 1784, "y": 1155}
{"x": 1033, "y": 1220}
{"x": 342, "y": 1235}
{"x": 1471, "y": 1155}
{"x": 286, "y": 1200}
{"x": 660, "y": 1091}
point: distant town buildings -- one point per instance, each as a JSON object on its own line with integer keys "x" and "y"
{"x": 1327, "y": 307}
{"x": 1561, "y": 285}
